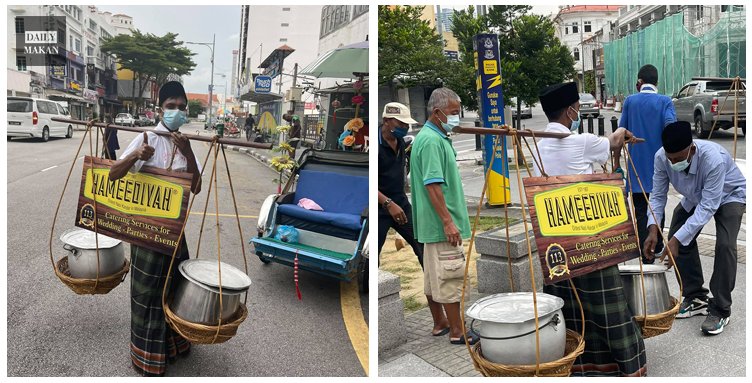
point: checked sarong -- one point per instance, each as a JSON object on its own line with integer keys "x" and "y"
{"x": 153, "y": 343}
{"x": 613, "y": 341}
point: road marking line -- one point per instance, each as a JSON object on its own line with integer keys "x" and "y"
{"x": 356, "y": 326}
{"x": 223, "y": 215}
{"x": 50, "y": 168}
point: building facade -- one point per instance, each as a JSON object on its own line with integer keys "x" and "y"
{"x": 79, "y": 76}
{"x": 576, "y": 26}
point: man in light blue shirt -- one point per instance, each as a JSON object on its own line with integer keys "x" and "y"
{"x": 645, "y": 114}
{"x": 712, "y": 186}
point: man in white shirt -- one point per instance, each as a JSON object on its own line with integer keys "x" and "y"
{"x": 578, "y": 153}
{"x": 613, "y": 342}
{"x": 153, "y": 342}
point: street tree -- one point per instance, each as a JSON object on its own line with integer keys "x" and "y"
{"x": 410, "y": 51}
{"x": 150, "y": 58}
{"x": 531, "y": 54}
{"x": 195, "y": 107}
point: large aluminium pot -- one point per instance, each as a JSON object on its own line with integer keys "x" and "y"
{"x": 508, "y": 327}
{"x": 196, "y": 296}
{"x": 658, "y": 297}
{"x": 82, "y": 261}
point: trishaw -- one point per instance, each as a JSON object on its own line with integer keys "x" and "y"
{"x": 332, "y": 241}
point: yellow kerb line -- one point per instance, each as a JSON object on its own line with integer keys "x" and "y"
{"x": 356, "y": 326}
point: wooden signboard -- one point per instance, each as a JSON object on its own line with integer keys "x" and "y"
{"x": 582, "y": 223}
{"x": 147, "y": 208}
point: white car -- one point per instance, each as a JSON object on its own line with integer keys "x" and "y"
{"x": 32, "y": 118}
{"x": 125, "y": 119}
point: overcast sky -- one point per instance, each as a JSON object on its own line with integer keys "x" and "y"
{"x": 192, "y": 23}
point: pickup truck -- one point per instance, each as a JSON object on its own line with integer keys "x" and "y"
{"x": 701, "y": 103}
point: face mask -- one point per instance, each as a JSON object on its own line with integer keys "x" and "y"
{"x": 681, "y": 165}
{"x": 173, "y": 119}
{"x": 399, "y": 132}
{"x": 452, "y": 121}
{"x": 575, "y": 123}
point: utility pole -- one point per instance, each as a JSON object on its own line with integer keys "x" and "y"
{"x": 211, "y": 85}
{"x": 294, "y": 84}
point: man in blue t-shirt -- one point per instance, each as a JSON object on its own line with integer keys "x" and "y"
{"x": 645, "y": 114}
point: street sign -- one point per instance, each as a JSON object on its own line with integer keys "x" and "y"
{"x": 491, "y": 103}
{"x": 581, "y": 223}
{"x": 262, "y": 84}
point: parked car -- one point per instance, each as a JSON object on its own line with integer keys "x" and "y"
{"x": 143, "y": 120}
{"x": 588, "y": 106}
{"x": 525, "y": 112}
{"x": 699, "y": 102}
{"x": 32, "y": 117}
{"x": 125, "y": 119}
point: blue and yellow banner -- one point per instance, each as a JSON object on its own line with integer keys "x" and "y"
{"x": 491, "y": 103}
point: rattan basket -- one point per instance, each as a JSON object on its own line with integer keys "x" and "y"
{"x": 84, "y": 286}
{"x": 205, "y": 334}
{"x": 562, "y": 367}
{"x": 657, "y": 324}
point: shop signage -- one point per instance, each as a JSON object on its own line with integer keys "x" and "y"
{"x": 262, "y": 84}
{"x": 491, "y": 102}
{"x": 582, "y": 223}
{"x": 90, "y": 95}
{"x": 58, "y": 70}
{"x": 147, "y": 208}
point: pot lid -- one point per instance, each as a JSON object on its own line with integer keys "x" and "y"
{"x": 206, "y": 272}
{"x": 84, "y": 239}
{"x": 513, "y": 307}
{"x": 646, "y": 269}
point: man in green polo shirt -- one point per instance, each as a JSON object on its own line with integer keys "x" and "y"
{"x": 440, "y": 214}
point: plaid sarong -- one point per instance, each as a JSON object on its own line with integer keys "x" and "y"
{"x": 613, "y": 341}
{"x": 153, "y": 343}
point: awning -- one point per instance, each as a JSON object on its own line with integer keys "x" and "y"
{"x": 114, "y": 102}
{"x": 66, "y": 96}
{"x": 260, "y": 98}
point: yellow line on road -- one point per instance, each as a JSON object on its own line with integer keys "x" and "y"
{"x": 223, "y": 215}
{"x": 356, "y": 326}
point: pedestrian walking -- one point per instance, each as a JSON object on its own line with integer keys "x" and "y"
{"x": 440, "y": 214}
{"x": 153, "y": 342}
{"x": 395, "y": 211}
{"x": 613, "y": 341}
{"x": 111, "y": 143}
{"x": 645, "y": 114}
{"x": 249, "y": 125}
{"x": 712, "y": 186}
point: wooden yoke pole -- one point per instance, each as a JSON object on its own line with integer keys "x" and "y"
{"x": 194, "y": 137}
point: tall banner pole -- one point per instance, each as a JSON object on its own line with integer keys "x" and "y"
{"x": 491, "y": 108}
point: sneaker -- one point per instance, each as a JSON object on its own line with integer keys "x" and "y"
{"x": 714, "y": 325}
{"x": 693, "y": 307}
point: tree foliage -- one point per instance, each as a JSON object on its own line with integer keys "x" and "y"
{"x": 531, "y": 54}
{"x": 150, "y": 57}
{"x": 195, "y": 107}
{"x": 410, "y": 51}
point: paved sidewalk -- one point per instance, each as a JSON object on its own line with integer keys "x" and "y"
{"x": 684, "y": 351}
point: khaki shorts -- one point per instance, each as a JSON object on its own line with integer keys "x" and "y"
{"x": 443, "y": 271}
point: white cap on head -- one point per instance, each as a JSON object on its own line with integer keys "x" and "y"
{"x": 398, "y": 111}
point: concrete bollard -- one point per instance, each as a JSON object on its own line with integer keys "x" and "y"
{"x": 493, "y": 264}
{"x": 392, "y": 330}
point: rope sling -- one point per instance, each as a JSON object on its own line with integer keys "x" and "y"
{"x": 575, "y": 343}
{"x": 194, "y": 332}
